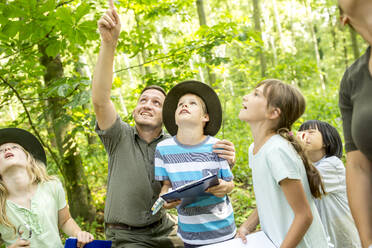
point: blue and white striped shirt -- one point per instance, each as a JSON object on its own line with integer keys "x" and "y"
{"x": 209, "y": 219}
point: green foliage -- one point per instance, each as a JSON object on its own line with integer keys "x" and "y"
{"x": 243, "y": 203}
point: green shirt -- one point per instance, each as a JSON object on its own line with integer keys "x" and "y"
{"x": 131, "y": 187}
{"x": 42, "y": 217}
{"x": 356, "y": 106}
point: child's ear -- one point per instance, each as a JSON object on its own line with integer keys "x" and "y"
{"x": 206, "y": 117}
{"x": 275, "y": 113}
{"x": 344, "y": 19}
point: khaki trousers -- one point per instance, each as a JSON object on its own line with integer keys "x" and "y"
{"x": 162, "y": 236}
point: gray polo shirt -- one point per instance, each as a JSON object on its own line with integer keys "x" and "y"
{"x": 131, "y": 187}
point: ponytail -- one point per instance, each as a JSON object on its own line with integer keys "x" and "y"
{"x": 313, "y": 176}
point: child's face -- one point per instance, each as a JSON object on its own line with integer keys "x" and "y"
{"x": 190, "y": 110}
{"x": 11, "y": 154}
{"x": 312, "y": 139}
{"x": 254, "y": 106}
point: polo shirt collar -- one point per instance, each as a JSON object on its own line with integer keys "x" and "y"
{"x": 162, "y": 133}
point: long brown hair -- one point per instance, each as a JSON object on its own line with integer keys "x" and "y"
{"x": 292, "y": 105}
{"x": 37, "y": 173}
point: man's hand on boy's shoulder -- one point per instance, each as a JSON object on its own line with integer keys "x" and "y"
{"x": 225, "y": 149}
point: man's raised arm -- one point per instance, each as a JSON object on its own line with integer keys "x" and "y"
{"x": 109, "y": 28}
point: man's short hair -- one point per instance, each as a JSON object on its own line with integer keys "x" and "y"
{"x": 154, "y": 87}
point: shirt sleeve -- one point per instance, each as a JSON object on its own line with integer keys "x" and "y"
{"x": 346, "y": 108}
{"x": 60, "y": 196}
{"x": 111, "y": 136}
{"x": 161, "y": 173}
{"x": 225, "y": 171}
{"x": 333, "y": 175}
{"x": 284, "y": 162}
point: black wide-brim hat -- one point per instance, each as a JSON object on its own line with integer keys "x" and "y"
{"x": 200, "y": 89}
{"x": 24, "y": 138}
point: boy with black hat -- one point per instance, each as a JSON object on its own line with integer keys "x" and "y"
{"x": 192, "y": 115}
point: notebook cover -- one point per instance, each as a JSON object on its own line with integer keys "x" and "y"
{"x": 71, "y": 243}
{"x": 193, "y": 189}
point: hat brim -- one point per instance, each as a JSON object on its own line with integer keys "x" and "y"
{"x": 24, "y": 138}
{"x": 200, "y": 89}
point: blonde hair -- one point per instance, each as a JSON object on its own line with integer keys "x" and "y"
{"x": 292, "y": 105}
{"x": 37, "y": 173}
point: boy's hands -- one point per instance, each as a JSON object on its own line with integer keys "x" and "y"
{"x": 164, "y": 189}
{"x": 109, "y": 25}
{"x": 222, "y": 189}
{"x": 225, "y": 149}
{"x": 173, "y": 204}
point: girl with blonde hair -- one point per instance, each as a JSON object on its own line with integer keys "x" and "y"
{"x": 32, "y": 203}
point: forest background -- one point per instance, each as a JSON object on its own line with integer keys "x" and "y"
{"x": 48, "y": 49}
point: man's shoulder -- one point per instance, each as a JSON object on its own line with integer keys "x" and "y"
{"x": 117, "y": 126}
{"x": 359, "y": 65}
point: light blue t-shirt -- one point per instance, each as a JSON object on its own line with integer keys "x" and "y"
{"x": 209, "y": 219}
{"x": 275, "y": 161}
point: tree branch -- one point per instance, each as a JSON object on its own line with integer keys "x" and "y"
{"x": 63, "y": 3}
{"x": 177, "y": 52}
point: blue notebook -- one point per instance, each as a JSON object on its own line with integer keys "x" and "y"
{"x": 192, "y": 190}
{"x": 71, "y": 243}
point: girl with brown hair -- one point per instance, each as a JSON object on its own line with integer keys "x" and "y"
{"x": 284, "y": 180}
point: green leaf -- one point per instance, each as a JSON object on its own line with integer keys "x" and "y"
{"x": 63, "y": 90}
{"x": 47, "y": 6}
{"x": 11, "y": 28}
{"x": 81, "y": 11}
{"x": 53, "y": 48}
{"x": 65, "y": 15}
{"x": 89, "y": 29}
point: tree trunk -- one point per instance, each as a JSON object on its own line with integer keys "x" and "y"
{"x": 332, "y": 29}
{"x": 201, "y": 13}
{"x": 85, "y": 72}
{"x": 203, "y": 22}
{"x": 257, "y": 26}
{"x": 354, "y": 43}
{"x": 346, "y": 61}
{"x": 277, "y": 22}
{"x": 143, "y": 53}
{"x": 315, "y": 43}
{"x": 72, "y": 170}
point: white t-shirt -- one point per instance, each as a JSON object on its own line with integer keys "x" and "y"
{"x": 275, "y": 161}
{"x": 333, "y": 208}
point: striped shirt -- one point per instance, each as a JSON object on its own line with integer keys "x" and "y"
{"x": 209, "y": 219}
